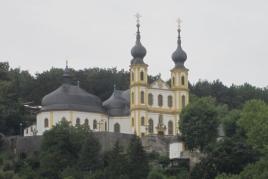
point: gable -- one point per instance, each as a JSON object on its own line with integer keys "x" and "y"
{"x": 159, "y": 84}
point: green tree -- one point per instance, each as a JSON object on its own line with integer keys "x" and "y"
{"x": 199, "y": 123}
{"x": 227, "y": 156}
{"x": 254, "y": 120}
{"x": 155, "y": 175}
{"x": 59, "y": 149}
{"x": 137, "y": 160}
{"x": 89, "y": 156}
{"x": 116, "y": 160}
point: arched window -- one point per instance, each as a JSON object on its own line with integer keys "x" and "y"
{"x": 77, "y": 121}
{"x": 132, "y": 97}
{"x": 94, "y": 124}
{"x": 132, "y": 76}
{"x": 117, "y": 128}
{"x": 170, "y": 101}
{"x": 160, "y": 100}
{"x": 150, "y": 99}
{"x": 86, "y": 122}
{"x": 173, "y": 81}
{"x": 160, "y": 119}
{"x": 151, "y": 126}
{"x": 142, "y": 121}
{"x": 182, "y": 80}
{"x": 142, "y": 97}
{"x": 46, "y": 122}
{"x": 132, "y": 121}
{"x": 170, "y": 128}
{"x": 183, "y": 103}
{"x": 142, "y": 75}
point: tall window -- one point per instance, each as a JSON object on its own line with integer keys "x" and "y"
{"x": 105, "y": 126}
{"x": 78, "y": 121}
{"x": 150, "y": 99}
{"x": 142, "y": 121}
{"x": 94, "y": 124}
{"x": 170, "y": 101}
{"x": 86, "y": 122}
{"x": 46, "y": 122}
{"x": 160, "y": 100}
{"x": 170, "y": 128}
{"x": 117, "y": 128}
{"x": 142, "y": 97}
{"x": 151, "y": 126}
{"x": 142, "y": 75}
{"x": 173, "y": 81}
{"x": 182, "y": 80}
{"x": 183, "y": 101}
{"x": 63, "y": 119}
{"x": 132, "y": 76}
{"x": 132, "y": 97}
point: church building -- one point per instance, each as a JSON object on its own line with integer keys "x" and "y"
{"x": 143, "y": 109}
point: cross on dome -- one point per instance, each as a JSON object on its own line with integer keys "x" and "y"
{"x": 138, "y": 16}
{"x": 179, "y": 21}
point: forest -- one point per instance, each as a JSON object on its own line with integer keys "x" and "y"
{"x": 242, "y": 111}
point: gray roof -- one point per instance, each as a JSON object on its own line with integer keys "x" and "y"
{"x": 118, "y": 103}
{"x": 71, "y": 97}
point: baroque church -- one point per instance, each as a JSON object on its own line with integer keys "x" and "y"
{"x": 143, "y": 109}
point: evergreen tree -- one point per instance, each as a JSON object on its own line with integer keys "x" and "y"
{"x": 89, "y": 156}
{"x": 116, "y": 162}
{"x": 138, "y": 166}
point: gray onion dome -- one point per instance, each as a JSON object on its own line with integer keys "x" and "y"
{"x": 138, "y": 52}
{"x": 179, "y": 56}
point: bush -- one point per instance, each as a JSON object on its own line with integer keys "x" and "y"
{"x": 155, "y": 175}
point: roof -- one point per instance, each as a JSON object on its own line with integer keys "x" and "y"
{"x": 71, "y": 97}
{"x": 118, "y": 103}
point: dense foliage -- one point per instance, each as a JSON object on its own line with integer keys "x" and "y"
{"x": 240, "y": 111}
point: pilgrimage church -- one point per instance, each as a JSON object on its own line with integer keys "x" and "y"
{"x": 143, "y": 109}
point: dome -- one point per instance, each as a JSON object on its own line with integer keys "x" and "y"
{"x": 71, "y": 97}
{"x": 138, "y": 52}
{"x": 117, "y": 104}
{"x": 179, "y": 56}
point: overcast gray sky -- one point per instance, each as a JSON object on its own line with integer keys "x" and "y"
{"x": 224, "y": 39}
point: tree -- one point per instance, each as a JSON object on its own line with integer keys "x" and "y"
{"x": 116, "y": 160}
{"x": 137, "y": 161}
{"x": 227, "y": 156}
{"x": 59, "y": 149}
{"x": 199, "y": 123}
{"x": 155, "y": 175}
{"x": 254, "y": 120}
{"x": 89, "y": 156}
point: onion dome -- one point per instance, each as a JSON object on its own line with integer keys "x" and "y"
{"x": 179, "y": 56}
{"x": 138, "y": 52}
{"x": 117, "y": 104}
{"x": 71, "y": 97}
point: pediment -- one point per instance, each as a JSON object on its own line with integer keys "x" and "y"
{"x": 159, "y": 84}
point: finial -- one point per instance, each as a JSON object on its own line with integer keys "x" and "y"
{"x": 66, "y": 63}
{"x": 138, "y": 16}
{"x": 179, "y": 21}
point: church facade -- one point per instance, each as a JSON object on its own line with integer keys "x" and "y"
{"x": 143, "y": 109}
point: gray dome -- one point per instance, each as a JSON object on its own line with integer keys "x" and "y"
{"x": 70, "y": 97}
{"x": 179, "y": 56}
{"x": 118, "y": 103}
{"x": 138, "y": 52}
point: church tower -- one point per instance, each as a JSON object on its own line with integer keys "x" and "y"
{"x": 138, "y": 86}
{"x": 179, "y": 77}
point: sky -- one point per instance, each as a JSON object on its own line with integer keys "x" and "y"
{"x": 223, "y": 39}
